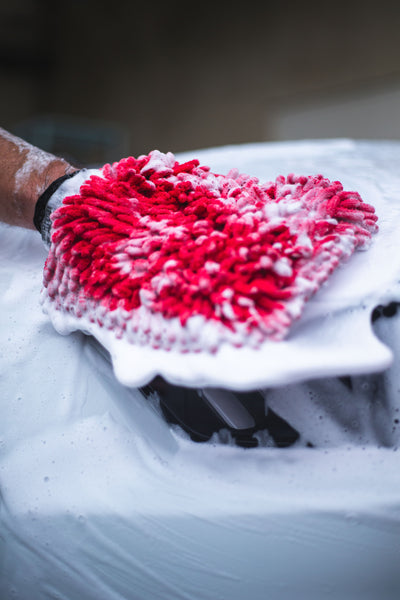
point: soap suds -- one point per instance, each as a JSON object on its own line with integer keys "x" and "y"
{"x": 35, "y": 160}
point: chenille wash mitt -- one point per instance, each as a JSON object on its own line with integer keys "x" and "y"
{"x": 175, "y": 257}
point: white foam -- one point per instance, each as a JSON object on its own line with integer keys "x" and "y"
{"x": 101, "y": 499}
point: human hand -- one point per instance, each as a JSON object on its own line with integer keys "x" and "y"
{"x": 172, "y": 256}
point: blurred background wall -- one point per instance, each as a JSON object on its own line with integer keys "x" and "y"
{"x": 97, "y": 80}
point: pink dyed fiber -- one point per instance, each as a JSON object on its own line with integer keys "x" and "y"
{"x": 184, "y": 242}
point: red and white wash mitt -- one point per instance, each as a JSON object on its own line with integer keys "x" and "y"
{"x": 173, "y": 256}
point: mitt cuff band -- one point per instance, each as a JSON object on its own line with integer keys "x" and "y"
{"x": 40, "y": 208}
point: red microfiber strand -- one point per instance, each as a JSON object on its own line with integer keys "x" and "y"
{"x": 179, "y": 241}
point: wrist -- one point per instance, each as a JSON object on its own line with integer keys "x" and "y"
{"x": 26, "y": 171}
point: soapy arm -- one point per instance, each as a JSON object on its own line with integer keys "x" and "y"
{"x": 25, "y": 172}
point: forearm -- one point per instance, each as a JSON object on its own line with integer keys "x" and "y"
{"x": 25, "y": 172}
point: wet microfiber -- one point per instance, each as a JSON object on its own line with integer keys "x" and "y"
{"x": 174, "y": 256}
